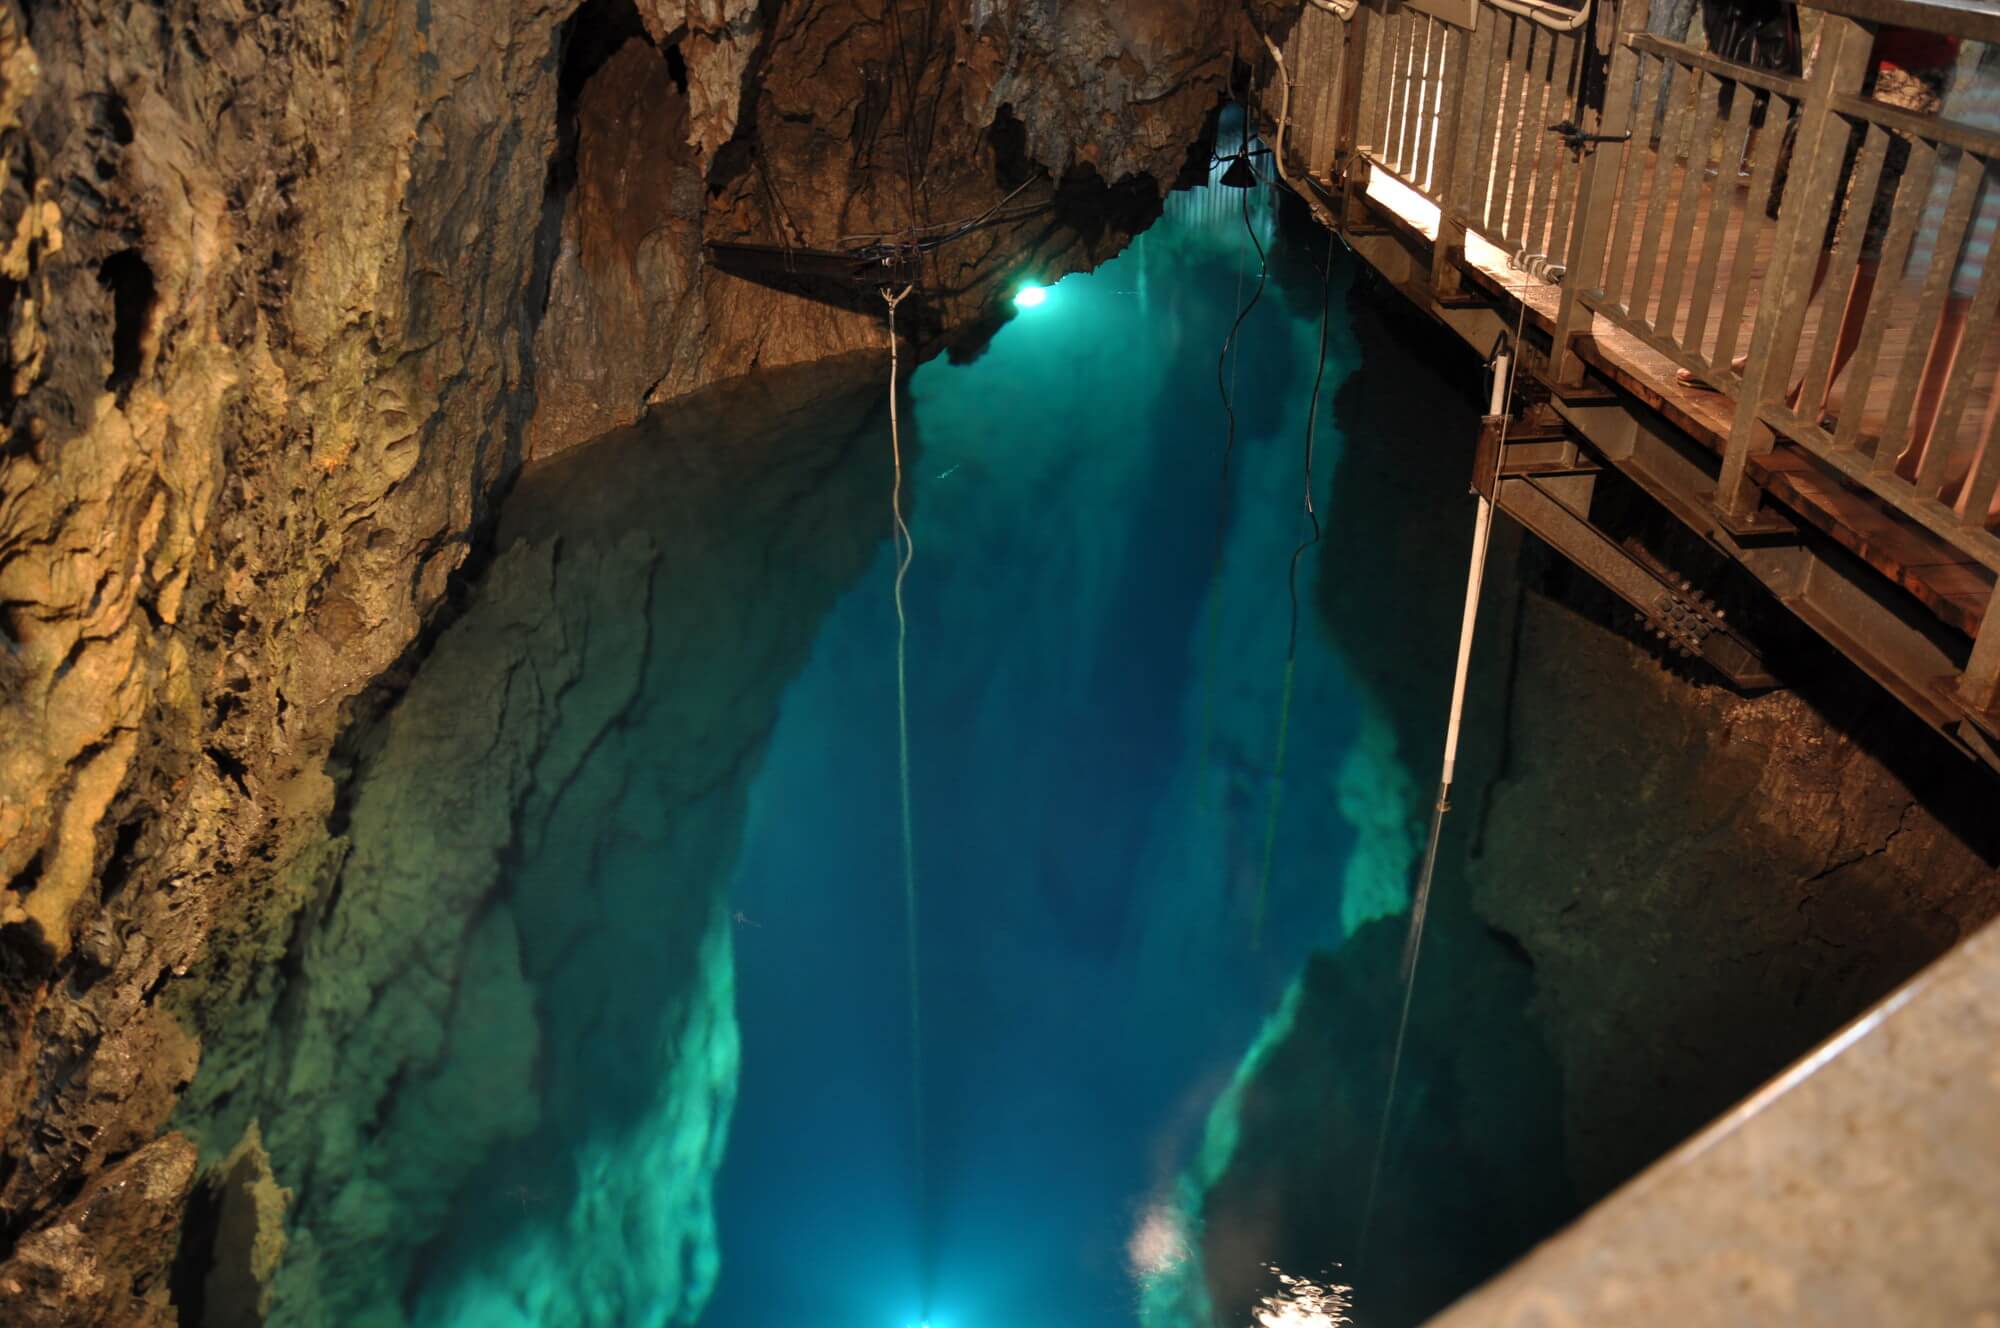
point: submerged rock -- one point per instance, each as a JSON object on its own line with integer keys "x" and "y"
{"x": 249, "y": 1236}
{"x": 513, "y": 991}
{"x": 1684, "y": 889}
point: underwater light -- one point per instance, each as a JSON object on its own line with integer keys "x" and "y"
{"x": 1028, "y": 297}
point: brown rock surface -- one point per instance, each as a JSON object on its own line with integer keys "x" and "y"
{"x": 281, "y": 288}
{"x": 1777, "y": 866}
{"x": 262, "y": 304}
{"x": 1096, "y": 105}
{"x": 102, "y": 1259}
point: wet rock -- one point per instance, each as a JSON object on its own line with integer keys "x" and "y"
{"x": 535, "y": 850}
{"x": 79, "y": 1267}
{"x": 1472, "y": 1165}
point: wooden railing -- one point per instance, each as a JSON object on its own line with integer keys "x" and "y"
{"x": 1726, "y": 232}
{"x": 1945, "y": 479}
{"x": 1706, "y": 141}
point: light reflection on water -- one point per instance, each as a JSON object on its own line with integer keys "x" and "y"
{"x": 1159, "y": 1244}
{"x": 1301, "y": 1302}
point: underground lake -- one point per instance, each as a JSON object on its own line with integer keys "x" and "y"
{"x": 998, "y": 664}
{"x": 664, "y": 1048}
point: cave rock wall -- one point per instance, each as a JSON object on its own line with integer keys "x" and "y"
{"x": 289, "y": 292}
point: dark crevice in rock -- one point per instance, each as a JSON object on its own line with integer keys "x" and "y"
{"x": 229, "y": 767}
{"x": 195, "y": 1254}
{"x": 25, "y": 880}
{"x": 1008, "y": 137}
{"x": 118, "y": 864}
{"x": 129, "y": 278}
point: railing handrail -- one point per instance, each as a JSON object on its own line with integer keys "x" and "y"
{"x": 1935, "y": 128}
{"x": 1971, "y": 20}
{"x": 1695, "y": 58}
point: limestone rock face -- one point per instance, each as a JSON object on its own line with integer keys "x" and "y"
{"x": 853, "y": 122}
{"x": 289, "y": 292}
{"x": 263, "y": 316}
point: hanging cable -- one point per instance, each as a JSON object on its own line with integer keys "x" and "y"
{"x": 906, "y": 549}
{"x": 916, "y": 157}
{"x": 1320, "y": 211}
{"x": 1292, "y": 587}
{"x": 1500, "y": 403}
{"x": 1226, "y": 387}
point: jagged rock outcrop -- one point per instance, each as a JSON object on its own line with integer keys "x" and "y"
{"x": 283, "y": 288}
{"x": 854, "y": 123}
{"x": 104, "y": 1257}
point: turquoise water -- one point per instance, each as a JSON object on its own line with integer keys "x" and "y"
{"x": 1088, "y": 886}
{"x": 607, "y": 1017}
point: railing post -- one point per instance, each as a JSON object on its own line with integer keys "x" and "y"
{"x": 1371, "y": 20}
{"x": 1819, "y": 148}
{"x": 1353, "y": 75}
{"x": 1979, "y": 685}
{"x": 1444, "y": 162}
{"x": 1596, "y": 193}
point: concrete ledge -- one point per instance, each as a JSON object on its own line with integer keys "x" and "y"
{"x": 1860, "y": 1187}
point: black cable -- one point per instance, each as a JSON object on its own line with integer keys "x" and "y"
{"x": 1292, "y": 638}
{"x": 1222, "y": 359}
{"x": 1222, "y": 483}
{"x": 1312, "y": 414}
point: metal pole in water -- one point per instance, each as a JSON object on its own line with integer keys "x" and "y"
{"x": 1499, "y": 403}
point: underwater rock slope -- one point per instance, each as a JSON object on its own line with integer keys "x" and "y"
{"x": 526, "y": 926}
{"x": 288, "y": 292}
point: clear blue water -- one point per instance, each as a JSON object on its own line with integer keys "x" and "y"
{"x": 637, "y": 1049}
{"x": 1087, "y": 886}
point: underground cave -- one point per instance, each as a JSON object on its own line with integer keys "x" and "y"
{"x": 1166, "y": 664}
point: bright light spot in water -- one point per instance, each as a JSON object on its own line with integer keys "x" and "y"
{"x": 1304, "y": 1304}
{"x": 1029, "y": 297}
{"x": 1159, "y": 1244}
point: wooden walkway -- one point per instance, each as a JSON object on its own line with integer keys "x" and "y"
{"x": 1953, "y": 586}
